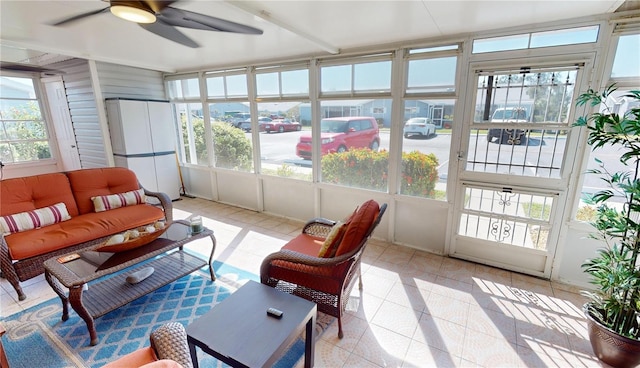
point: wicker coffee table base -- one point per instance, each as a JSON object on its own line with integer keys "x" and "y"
{"x": 110, "y": 293}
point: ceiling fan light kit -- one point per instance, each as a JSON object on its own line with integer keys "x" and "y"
{"x": 133, "y": 12}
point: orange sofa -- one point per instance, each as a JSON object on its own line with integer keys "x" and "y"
{"x": 23, "y": 251}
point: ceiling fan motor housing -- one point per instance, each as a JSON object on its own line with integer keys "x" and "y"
{"x": 134, "y": 11}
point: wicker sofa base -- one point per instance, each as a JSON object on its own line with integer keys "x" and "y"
{"x": 22, "y": 256}
{"x": 31, "y": 267}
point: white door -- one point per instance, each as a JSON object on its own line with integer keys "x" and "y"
{"x": 62, "y": 125}
{"x": 167, "y": 175}
{"x": 163, "y": 132}
{"x": 129, "y": 127}
{"x": 517, "y": 156}
{"x": 143, "y": 167}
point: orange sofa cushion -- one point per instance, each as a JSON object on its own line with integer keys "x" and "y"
{"x": 87, "y": 183}
{"x": 33, "y": 192}
{"x": 358, "y": 226}
{"x": 80, "y": 229}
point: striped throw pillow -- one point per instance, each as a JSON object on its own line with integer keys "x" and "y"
{"x": 113, "y": 201}
{"x": 34, "y": 219}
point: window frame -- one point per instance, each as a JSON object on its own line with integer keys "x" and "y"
{"x": 622, "y": 83}
{"x": 44, "y": 118}
{"x": 352, "y": 61}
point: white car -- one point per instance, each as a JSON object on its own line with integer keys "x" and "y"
{"x": 419, "y": 126}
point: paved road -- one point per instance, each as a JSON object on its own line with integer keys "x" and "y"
{"x": 279, "y": 148}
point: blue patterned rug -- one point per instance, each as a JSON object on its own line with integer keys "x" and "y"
{"x": 38, "y": 337}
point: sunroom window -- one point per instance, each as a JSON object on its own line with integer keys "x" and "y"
{"x": 371, "y": 75}
{"x": 626, "y": 75}
{"x": 354, "y": 132}
{"x": 429, "y": 106}
{"x": 23, "y": 130}
{"x": 557, "y": 37}
{"x": 283, "y": 95}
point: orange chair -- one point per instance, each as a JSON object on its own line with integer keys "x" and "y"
{"x": 169, "y": 349}
{"x": 323, "y": 262}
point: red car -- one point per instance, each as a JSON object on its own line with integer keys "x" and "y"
{"x": 280, "y": 125}
{"x": 341, "y": 134}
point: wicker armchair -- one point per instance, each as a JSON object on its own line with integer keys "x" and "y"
{"x": 325, "y": 281}
{"x": 168, "y": 349}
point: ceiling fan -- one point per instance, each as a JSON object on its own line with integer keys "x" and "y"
{"x": 160, "y": 17}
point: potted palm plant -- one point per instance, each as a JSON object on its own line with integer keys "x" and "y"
{"x": 613, "y": 309}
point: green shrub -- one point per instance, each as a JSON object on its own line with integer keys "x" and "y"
{"x": 363, "y": 168}
{"x": 586, "y": 213}
{"x": 231, "y": 147}
{"x": 419, "y": 174}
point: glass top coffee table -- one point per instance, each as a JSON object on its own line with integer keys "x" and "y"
{"x": 165, "y": 255}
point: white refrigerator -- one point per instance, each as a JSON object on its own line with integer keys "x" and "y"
{"x": 143, "y": 139}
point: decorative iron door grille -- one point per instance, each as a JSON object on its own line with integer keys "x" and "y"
{"x": 520, "y": 124}
{"x": 507, "y": 216}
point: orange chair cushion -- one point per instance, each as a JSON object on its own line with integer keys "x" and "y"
{"x": 305, "y": 244}
{"x": 87, "y": 183}
{"x": 80, "y": 229}
{"x": 358, "y": 227}
{"x": 164, "y": 363}
{"x": 33, "y": 192}
{"x": 137, "y": 358}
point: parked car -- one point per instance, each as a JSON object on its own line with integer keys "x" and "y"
{"x": 508, "y": 135}
{"x": 280, "y": 125}
{"x": 419, "y": 126}
{"x": 246, "y": 125}
{"x": 341, "y": 134}
{"x": 239, "y": 118}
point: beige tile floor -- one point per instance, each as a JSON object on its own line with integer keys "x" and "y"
{"x": 416, "y": 309}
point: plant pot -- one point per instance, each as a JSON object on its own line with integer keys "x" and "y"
{"x": 611, "y": 348}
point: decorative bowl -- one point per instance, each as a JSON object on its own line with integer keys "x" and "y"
{"x": 143, "y": 238}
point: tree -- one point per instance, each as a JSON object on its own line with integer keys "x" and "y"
{"x": 551, "y": 93}
{"x": 24, "y": 135}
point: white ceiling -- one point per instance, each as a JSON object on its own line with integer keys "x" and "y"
{"x": 291, "y": 28}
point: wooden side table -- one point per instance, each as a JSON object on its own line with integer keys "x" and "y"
{"x": 238, "y": 331}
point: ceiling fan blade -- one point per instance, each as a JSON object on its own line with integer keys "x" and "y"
{"x": 188, "y": 19}
{"x": 167, "y": 31}
{"x": 79, "y": 16}
{"x": 18, "y": 67}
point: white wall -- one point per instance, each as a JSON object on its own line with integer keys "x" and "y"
{"x": 414, "y": 222}
{"x": 577, "y": 247}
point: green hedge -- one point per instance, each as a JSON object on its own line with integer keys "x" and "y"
{"x": 363, "y": 168}
{"x": 231, "y": 147}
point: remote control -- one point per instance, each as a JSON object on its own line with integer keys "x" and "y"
{"x": 275, "y": 313}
